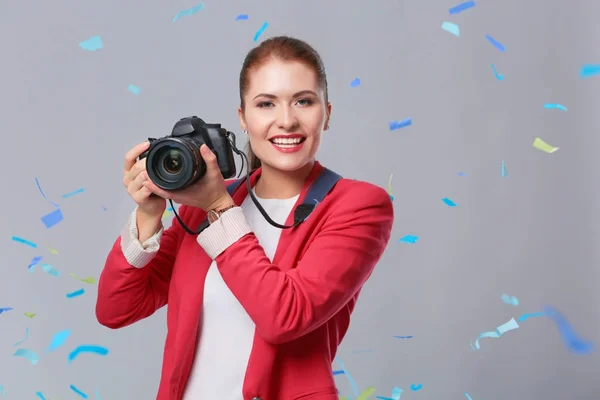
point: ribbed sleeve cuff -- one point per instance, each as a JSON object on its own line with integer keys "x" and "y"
{"x": 138, "y": 254}
{"x": 228, "y": 229}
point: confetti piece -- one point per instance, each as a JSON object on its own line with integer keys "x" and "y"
{"x": 30, "y": 315}
{"x": 396, "y": 393}
{"x": 496, "y": 74}
{"x": 2, "y": 390}
{"x": 88, "y": 348}
{"x": 241, "y": 17}
{"x": 91, "y": 280}
{"x": 414, "y": 387}
{"x": 134, "y": 89}
{"x": 355, "y": 82}
{"x": 50, "y": 270}
{"x": 52, "y": 218}
{"x": 366, "y": 393}
{"x": 58, "y": 340}
{"x": 5, "y": 309}
{"x": 53, "y": 251}
{"x": 389, "y": 187}
{"x": 468, "y": 397}
{"x": 400, "y": 124}
{"x": 98, "y": 395}
{"x": 28, "y": 354}
{"x": 104, "y": 208}
{"x": 27, "y": 242}
{"x": 512, "y": 300}
{"x": 22, "y": 340}
{"x": 462, "y": 7}
{"x": 503, "y": 170}
{"x": 449, "y": 202}
{"x": 79, "y": 392}
{"x": 543, "y": 146}
{"x": 451, "y": 28}
{"x": 260, "y": 31}
{"x": 188, "y": 12}
{"x": 92, "y": 44}
{"x": 572, "y": 341}
{"x": 338, "y": 372}
{"x": 494, "y": 42}
{"x": 40, "y": 395}
{"x": 34, "y": 261}
{"x": 403, "y": 337}
{"x": 67, "y": 195}
{"x": 461, "y": 174}
{"x": 589, "y": 70}
{"x": 349, "y": 377}
{"x": 42, "y": 192}
{"x": 508, "y": 326}
{"x": 409, "y": 239}
{"x": 559, "y": 106}
{"x": 76, "y": 293}
{"x": 531, "y": 315}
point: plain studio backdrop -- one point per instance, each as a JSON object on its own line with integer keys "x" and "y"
{"x": 68, "y": 118}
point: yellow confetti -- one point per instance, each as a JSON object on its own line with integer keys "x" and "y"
{"x": 91, "y": 280}
{"x": 366, "y": 393}
{"x": 53, "y": 251}
{"x": 29, "y": 315}
{"x": 543, "y": 146}
{"x": 166, "y": 214}
{"x": 389, "y": 189}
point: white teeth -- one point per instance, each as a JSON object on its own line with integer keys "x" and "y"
{"x": 287, "y": 141}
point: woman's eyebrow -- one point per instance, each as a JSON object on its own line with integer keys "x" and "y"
{"x": 272, "y": 96}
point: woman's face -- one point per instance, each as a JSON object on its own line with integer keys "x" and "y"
{"x": 285, "y": 113}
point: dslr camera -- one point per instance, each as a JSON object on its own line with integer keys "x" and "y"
{"x": 174, "y": 162}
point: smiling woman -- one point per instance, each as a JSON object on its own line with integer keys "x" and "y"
{"x": 284, "y": 107}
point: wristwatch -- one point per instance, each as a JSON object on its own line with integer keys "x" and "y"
{"x": 214, "y": 215}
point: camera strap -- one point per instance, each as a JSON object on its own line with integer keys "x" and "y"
{"x": 317, "y": 191}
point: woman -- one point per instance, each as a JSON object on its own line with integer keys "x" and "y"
{"x": 255, "y": 312}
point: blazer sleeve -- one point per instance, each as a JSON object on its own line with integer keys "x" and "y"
{"x": 136, "y": 276}
{"x": 287, "y": 305}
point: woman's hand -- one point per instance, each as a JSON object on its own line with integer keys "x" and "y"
{"x": 209, "y": 193}
{"x": 134, "y": 176}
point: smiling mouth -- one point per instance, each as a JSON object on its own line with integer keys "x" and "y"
{"x": 287, "y": 142}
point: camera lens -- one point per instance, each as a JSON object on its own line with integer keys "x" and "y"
{"x": 172, "y": 162}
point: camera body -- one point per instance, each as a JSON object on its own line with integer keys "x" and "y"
{"x": 174, "y": 162}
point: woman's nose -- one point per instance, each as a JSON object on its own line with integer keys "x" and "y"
{"x": 286, "y": 119}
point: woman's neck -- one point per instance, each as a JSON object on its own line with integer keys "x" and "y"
{"x": 277, "y": 184}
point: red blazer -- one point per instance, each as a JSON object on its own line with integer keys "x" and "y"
{"x": 301, "y": 302}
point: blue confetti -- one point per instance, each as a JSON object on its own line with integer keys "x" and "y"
{"x": 507, "y": 326}
{"x": 496, "y": 74}
{"x": 67, "y": 195}
{"x": 349, "y": 377}
{"x": 43, "y": 195}
{"x": 188, "y": 12}
{"x": 572, "y": 341}
{"x": 2, "y": 390}
{"x": 52, "y": 218}
{"x": 559, "y": 106}
{"x": 461, "y": 174}
{"x": 5, "y": 309}
{"x": 28, "y": 354}
{"x": 409, "y": 239}
{"x": 400, "y": 124}
{"x": 87, "y": 348}
{"x": 76, "y": 293}
{"x": 532, "y": 315}
{"x": 92, "y": 44}
{"x": 355, "y": 82}
{"x": 396, "y": 393}
{"x": 40, "y": 395}
{"x": 134, "y": 89}
{"x": 241, "y": 17}
{"x": 589, "y": 70}
{"x": 24, "y": 241}
{"x": 338, "y": 372}
{"x": 449, "y": 202}
{"x": 79, "y": 392}
{"x": 22, "y": 340}
{"x": 403, "y": 337}
{"x": 496, "y": 43}
{"x": 503, "y": 170}
{"x": 451, "y": 28}
{"x": 49, "y": 269}
{"x": 98, "y": 395}
{"x": 34, "y": 261}
{"x": 468, "y": 397}
{"x": 461, "y": 7}
{"x": 58, "y": 340}
{"x": 414, "y": 387}
{"x": 512, "y": 300}
{"x": 260, "y": 31}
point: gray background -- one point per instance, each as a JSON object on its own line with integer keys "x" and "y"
{"x": 68, "y": 118}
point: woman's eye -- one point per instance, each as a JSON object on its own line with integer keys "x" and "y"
{"x": 265, "y": 104}
{"x": 305, "y": 102}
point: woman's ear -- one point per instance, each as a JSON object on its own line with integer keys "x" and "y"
{"x": 326, "y": 126}
{"x": 242, "y": 119}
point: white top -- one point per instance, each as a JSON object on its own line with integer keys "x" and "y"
{"x": 226, "y": 331}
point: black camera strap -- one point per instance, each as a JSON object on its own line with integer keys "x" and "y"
{"x": 317, "y": 192}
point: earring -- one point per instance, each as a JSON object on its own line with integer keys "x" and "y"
{"x": 245, "y": 131}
